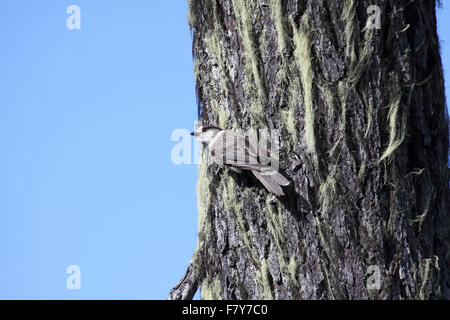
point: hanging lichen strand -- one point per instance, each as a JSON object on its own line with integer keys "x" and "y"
{"x": 363, "y": 140}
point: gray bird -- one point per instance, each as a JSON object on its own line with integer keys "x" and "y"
{"x": 241, "y": 152}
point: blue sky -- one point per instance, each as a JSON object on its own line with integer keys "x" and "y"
{"x": 443, "y": 19}
{"x": 86, "y": 176}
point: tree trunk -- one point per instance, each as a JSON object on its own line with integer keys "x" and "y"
{"x": 364, "y": 142}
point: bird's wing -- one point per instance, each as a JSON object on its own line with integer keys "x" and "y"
{"x": 236, "y": 149}
{"x": 242, "y": 152}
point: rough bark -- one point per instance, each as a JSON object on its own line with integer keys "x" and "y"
{"x": 364, "y": 140}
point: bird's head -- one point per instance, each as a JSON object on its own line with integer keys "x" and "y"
{"x": 205, "y": 134}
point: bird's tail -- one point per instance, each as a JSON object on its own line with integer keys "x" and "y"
{"x": 272, "y": 180}
{"x": 277, "y": 177}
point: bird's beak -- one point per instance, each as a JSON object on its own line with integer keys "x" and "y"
{"x": 192, "y": 133}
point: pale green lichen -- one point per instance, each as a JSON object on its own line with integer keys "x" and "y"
{"x": 220, "y": 113}
{"x": 196, "y": 69}
{"x": 329, "y": 98}
{"x": 289, "y": 121}
{"x": 417, "y": 172}
{"x": 242, "y": 10}
{"x": 191, "y": 18}
{"x": 327, "y": 278}
{"x": 276, "y": 231}
{"x": 327, "y": 191}
{"x": 405, "y": 28}
{"x": 302, "y": 53}
{"x": 262, "y": 42}
{"x": 427, "y": 273}
{"x": 278, "y": 17}
{"x": 333, "y": 149}
{"x": 369, "y": 112}
{"x": 288, "y": 116}
{"x": 343, "y": 94}
{"x": 292, "y": 269}
{"x": 214, "y": 49}
{"x": 421, "y": 218}
{"x": 275, "y": 224}
{"x": 323, "y": 239}
{"x": 362, "y": 169}
{"x": 396, "y": 136}
{"x": 233, "y": 205}
{"x": 203, "y": 197}
{"x": 262, "y": 279}
{"x": 348, "y": 16}
{"x": 360, "y": 63}
{"x": 211, "y": 290}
